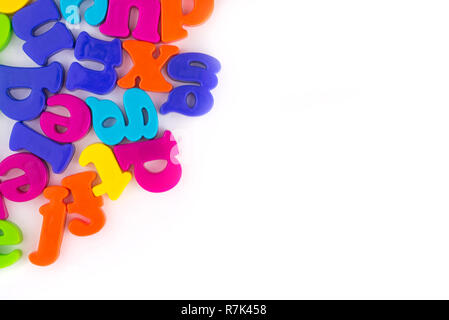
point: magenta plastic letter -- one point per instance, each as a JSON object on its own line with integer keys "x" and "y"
{"x": 78, "y": 124}
{"x": 35, "y": 177}
{"x": 139, "y": 153}
{"x": 117, "y": 20}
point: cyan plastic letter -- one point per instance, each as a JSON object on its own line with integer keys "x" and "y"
{"x": 135, "y": 102}
{"x": 94, "y": 15}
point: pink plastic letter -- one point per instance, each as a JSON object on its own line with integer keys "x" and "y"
{"x": 139, "y": 153}
{"x": 117, "y": 20}
{"x": 35, "y": 176}
{"x": 78, "y": 124}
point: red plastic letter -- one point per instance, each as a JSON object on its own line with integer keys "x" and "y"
{"x": 117, "y": 20}
{"x": 139, "y": 153}
{"x": 35, "y": 177}
{"x": 77, "y": 125}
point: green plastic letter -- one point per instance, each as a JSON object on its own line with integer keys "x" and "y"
{"x": 10, "y": 235}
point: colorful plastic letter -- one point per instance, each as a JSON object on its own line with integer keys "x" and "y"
{"x": 11, "y": 6}
{"x": 35, "y": 177}
{"x": 173, "y": 18}
{"x": 10, "y": 235}
{"x": 3, "y": 210}
{"x": 113, "y": 180}
{"x": 53, "y": 224}
{"x": 135, "y": 101}
{"x": 197, "y": 68}
{"x": 178, "y": 101}
{"x": 58, "y": 155}
{"x": 5, "y": 31}
{"x": 40, "y": 48}
{"x": 103, "y": 110}
{"x": 146, "y": 67}
{"x": 139, "y": 153}
{"x": 109, "y": 53}
{"x": 94, "y": 15}
{"x": 77, "y": 125}
{"x": 36, "y": 79}
{"x": 84, "y": 204}
{"x": 117, "y": 19}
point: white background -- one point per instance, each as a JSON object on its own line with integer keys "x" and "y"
{"x": 322, "y": 171}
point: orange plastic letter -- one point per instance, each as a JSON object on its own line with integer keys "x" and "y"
{"x": 173, "y": 19}
{"x": 84, "y": 203}
{"x": 146, "y": 67}
{"x": 52, "y": 231}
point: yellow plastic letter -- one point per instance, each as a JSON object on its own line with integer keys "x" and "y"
{"x": 11, "y": 6}
{"x": 113, "y": 179}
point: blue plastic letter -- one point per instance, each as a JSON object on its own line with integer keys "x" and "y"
{"x": 196, "y": 68}
{"x": 40, "y": 48}
{"x": 57, "y": 155}
{"x": 108, "y": 53}
{"x": 135, "y": 101}
{"x": 36, "y": 79}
